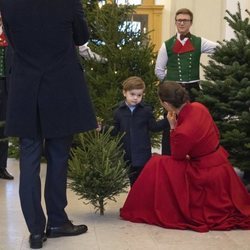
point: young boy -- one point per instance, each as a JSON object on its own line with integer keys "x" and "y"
{"x": 135, "y": 118}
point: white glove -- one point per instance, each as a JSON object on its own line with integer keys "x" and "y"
{"x": 88, "y": 54}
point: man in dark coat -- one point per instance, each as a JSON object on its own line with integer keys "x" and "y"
{"x": 48, "y": 102}
{"x": 5, "y": 58}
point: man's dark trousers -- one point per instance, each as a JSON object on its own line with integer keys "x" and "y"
{"x": 56, "y": 153}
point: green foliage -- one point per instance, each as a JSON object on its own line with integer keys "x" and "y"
{"x": 14, "y": 150}
{"x": 227, "y": 90}
{"x": 97, "y": 169}
{"x": 129, "y": 52}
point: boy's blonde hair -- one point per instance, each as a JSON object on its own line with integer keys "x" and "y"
{"x": 133, "y": 82}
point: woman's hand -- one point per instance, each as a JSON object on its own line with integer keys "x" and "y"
{"x": 172, "y": 119}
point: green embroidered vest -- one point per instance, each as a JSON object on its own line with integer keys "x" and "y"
{"x": 184, "y": 67}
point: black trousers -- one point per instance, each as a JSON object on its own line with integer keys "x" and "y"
{"x": 56, "y": 154}
{"x": 3, "y": 144}
{"x": 165, "y": 145}
{"x": 3, "y": 149}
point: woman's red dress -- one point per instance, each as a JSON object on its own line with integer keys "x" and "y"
{"x": 195, "y": 188}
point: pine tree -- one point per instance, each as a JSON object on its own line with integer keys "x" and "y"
{"x": 97, "y": 169}
{"x": 128, "y": 51}
{"x": 226, "y": 91}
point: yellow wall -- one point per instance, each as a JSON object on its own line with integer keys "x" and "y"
{"x": 154, "y": 13}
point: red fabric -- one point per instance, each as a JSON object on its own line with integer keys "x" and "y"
{"x": 178, "y": 48}
{"x": 3, "y": 41}
{"x": 202, "y": 193}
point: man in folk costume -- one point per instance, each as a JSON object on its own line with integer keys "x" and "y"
{"x": 4, "y": 174}
{"x": 179, "y": 59}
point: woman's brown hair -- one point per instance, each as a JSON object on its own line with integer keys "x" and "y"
{"x": 173, "y": 93}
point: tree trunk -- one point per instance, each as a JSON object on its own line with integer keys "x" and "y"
{"x": 101, "y": 205}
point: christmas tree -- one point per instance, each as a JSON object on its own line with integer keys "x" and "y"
{"x": 97, "y": 169}
{"x": 226, "y": 91}
{"x": 118, "y": 49}
{"x": 126, "y": 51}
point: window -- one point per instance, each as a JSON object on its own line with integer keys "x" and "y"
{"x": 142, "y": 21}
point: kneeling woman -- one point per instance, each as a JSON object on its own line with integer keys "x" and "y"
{"x": 196, "y": 187}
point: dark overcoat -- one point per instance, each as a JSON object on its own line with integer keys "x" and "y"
{"x": 4, "y": 83}
{"x": 136, "y": 127}
{"x": 3, "y": 99}
{"x": 47, "y": 92}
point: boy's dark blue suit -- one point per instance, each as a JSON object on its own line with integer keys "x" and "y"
{"x": 48, "y": 99}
